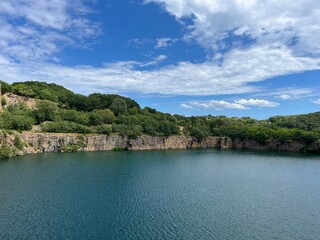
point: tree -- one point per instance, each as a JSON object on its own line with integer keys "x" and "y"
{"x": 118, "y": 106}
{"x": 45, "y": 111}
{"x": 198, "y": 133}
{"x": 99, "y": 117}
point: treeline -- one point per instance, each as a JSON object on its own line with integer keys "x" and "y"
{"x": 60, "y": 110}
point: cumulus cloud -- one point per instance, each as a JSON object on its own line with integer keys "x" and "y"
{"x": 36, "y": 30}
{"x": 221, "y": 105}
{"x": 219, "y": 24}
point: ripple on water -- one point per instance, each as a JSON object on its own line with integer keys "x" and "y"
{"x": 160, "y": 195}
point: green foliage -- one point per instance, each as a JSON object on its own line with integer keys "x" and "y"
{"x": 64, "y": 127}
{"x": 18, "y": 143}
{"x": 45, "y": 111}
{"x": 103, "y": 129}
{"x": 304, "y": 121}
{"x": 132, "y": 131}
{"x": 17, "y": 117}
{"x": 5, "y": 87}
{"x": 198, "y": 133}
{"x": 3, "y": 101}
{"x": 5, "y": 151}
{"x": 66, "y": 98}
{"x": 118, "y": 106}
{"x": 72, "y": 115}
{"x": 99, "y": 117}
{"x": 23, "y": 90}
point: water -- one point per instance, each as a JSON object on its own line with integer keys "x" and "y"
{"x": 203, "y": 194}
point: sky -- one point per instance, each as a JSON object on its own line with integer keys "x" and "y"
{"x": 190, "y": 57}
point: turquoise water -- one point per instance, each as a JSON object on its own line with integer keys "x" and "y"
{"x": 203, "y": 194}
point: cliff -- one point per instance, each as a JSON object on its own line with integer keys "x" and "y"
{"x": 13, "y": 144}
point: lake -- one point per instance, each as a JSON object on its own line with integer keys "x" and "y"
{"x": 198, "y": 194}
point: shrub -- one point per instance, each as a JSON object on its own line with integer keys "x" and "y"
{"x": 18, "y": 143}
{"x": 3, "y": 101}
{"x": 5, "y": 151}
{"x": 64, "y": 127}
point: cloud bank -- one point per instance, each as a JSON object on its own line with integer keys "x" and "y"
{"x": 255, "y": 40}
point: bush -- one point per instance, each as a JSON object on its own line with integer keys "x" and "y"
{"x": 16, "y": 122}
{"x": 64, "y": 127}
{"x": 3, "y": 101}
{"x": 18, "y": 143}
{"x": 105, "y": 129}
{"x": 74, "y": 116}
{"x": 5, "y": 151}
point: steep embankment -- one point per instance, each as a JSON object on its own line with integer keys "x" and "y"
{"x": 27, "y": 143}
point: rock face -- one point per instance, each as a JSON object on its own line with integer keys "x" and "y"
{"x": 57, "y": 142}
{"x": 13, "y": 99}
{"x": 149, "y": 143}
{"x": 60, "y": 142}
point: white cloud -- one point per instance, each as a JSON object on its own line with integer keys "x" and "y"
{"x": 185, "y": 105}
{"x": 234, "y": 75}
{"x": 221, "y": 105}
{"x": 257, "y": 103}
{"x": 46, "y": 27}
{"x": 216, "y": 105}
{"x": 317, "y": 101}
{"x": 161, "y": 58}
{"x": 36, "y": 30}
{"x": 164, "y": 42}
{"x": 275, "y": 23}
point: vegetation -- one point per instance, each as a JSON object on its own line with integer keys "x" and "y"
{"x": 60, "y": 110}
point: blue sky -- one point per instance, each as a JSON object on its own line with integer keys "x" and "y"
{"x": 192, "y": 57}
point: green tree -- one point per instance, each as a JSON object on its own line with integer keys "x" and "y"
{"x": 118, "y": 106}
{"x": 45, "y": 111}
{"x": 99, "y": 117}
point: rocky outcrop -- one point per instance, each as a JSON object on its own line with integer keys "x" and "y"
{"x": 13, "y": 99}
{"x": 60, "y": 142}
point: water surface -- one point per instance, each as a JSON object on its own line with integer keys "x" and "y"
{"x": 200, "y": 194}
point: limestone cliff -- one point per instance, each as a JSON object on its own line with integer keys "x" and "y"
{"x": 13, "y": 144}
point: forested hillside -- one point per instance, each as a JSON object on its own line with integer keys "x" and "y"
{"x": 60, "y": 110}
